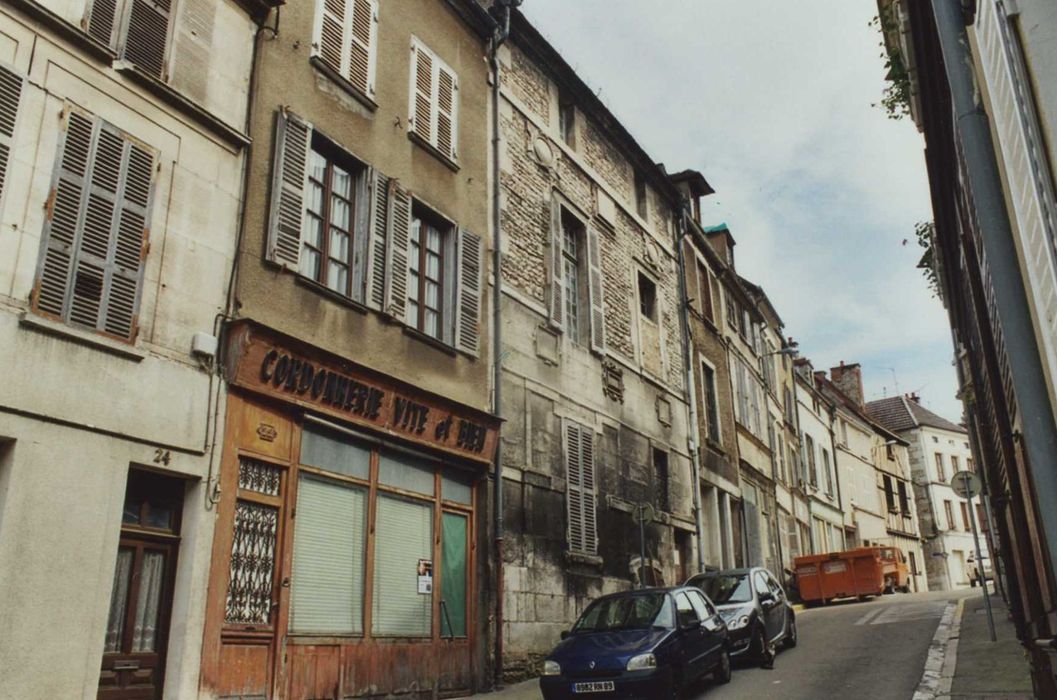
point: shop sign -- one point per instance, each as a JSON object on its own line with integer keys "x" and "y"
{"x": 262, "y": 363}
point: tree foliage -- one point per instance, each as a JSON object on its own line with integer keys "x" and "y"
{"x": 895, "y": 100}
{"x": 925, "y": 232}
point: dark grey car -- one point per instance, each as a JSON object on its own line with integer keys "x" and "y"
{"x": 754, "y": 606}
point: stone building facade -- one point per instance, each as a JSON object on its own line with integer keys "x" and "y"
{"x": 122, "y": 143}
{"x": 595, "y": 414}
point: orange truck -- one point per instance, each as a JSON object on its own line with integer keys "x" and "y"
{"x": 862, "y": 572}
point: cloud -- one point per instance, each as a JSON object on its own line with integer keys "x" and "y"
{"x": 774, "y": 103}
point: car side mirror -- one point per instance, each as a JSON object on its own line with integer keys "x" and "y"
{"x": 565, "y": 634}
{"x": 692, "y": 624}
{"x": 766, "y": 597}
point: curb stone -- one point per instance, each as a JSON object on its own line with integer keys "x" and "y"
{"x": 939, "y": 673}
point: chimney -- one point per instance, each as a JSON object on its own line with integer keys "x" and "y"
{"x": 915, "y": 398}
{"x": 848, "y": 378}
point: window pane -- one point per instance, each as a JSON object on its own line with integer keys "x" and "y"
{"x": 412, "y": 314}
{"x": 341, "y": 182}
{"x": 453, "y": 576}
{"x": 314, "y": 231}
{"x": 310, "y": 263}
{"x": 314, "y": 198}
{"x": 339, "y": 245}
{"x": 456, "y": 487}
{"x": 329, "y": 544}
{"x": 317, "y": 166}
{"x": 115, "y": 626}
{"x": 416, "y": 229}
{"x": 145, "y": 630}
{"x": 403, "y": 538}
{"x": 432, "y": 239}
{"x": 430, "y": 323}
{"x": 326, "y": 451}
{"x": 339, "y": 213}
{"x": 337, "y": 277}
{"x": 405, "y": 472}
{"x": 433, "y": 266}
{"x": 432, "y": 295}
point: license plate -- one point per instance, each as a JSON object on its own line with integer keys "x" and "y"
{"x": 593, "y": 687}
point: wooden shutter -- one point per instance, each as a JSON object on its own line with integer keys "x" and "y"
{"x": 421, "y": 92}
{"x": 361, "y": 45}
{"x": 470, "y": 257}
{"x": 447, "y": 105}
{"x": 556, "y": 295}
{"x": 189, "y": 69}
{"x": 595, "y": 292}
{"x": 97, "y": 227}
{"x": 146, "y": 32}
{"x": 587, "y": 483}
{"x": 102, "y": 18}
{"x": 398, "y": 233}
{"x": 330, "y": 33}
{"x": 376, "y": 246}
{"x": 293, "y": 137}
{"x": 10, "y": 97}
{"x": 574, "y": 488}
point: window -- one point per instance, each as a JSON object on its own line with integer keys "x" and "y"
{"x": 790, "y": 408}
{"x": 576, "y": 299}
{"x": 965, "y": 516}
{"x": 580, "y": 485}
{"x": 360, "y": 235}
{"x": 641, "y": 197}
{"x": 662, "y": 484}
{"x": 890, "y": 499}
{"x": 704, "y": 286}
{"x": 341, "y": 514}
{"x": 434, "y": 101}
{"x": 346, "y": 41}
{"x": 96, "y": 230}
{"x": 829, "y": 471}
{"x": 567, "y": 120}
{"x": 941, "y": 473}
{"x": 981, "y": 518}
{"x": 647, "y": 298}
{"x": 684, "y": 609}
{"x": 733, "y": 314}
{"x": 136, "y": 29}
{"x": 969, "y": 464}
{"x": 330, "y": 210}
{"x": 948, "y": 508}
{"x": 843, "y": 432}
{"x": 711, "y": 400}
{"x": 10, "y": 96}
{"x": 748, "y": 394}
{"x": 572, "y": 234}
{"x": 430, "y": 236}
{"x": 954, "y": 465}
{"x": 809, "y": 450}
{"x": 904, "y": 500}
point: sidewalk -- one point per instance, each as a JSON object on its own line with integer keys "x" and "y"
{"x": 985, "y": 670}
{"x": 526, "y": 690}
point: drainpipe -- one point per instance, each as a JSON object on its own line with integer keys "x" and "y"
{"x": 836, "y": 474}
{"x": 1039, "y": 431}
{"x": 694, "y": 436}
{"x": 500, "y": 35}
{"x": 803, "y": 466}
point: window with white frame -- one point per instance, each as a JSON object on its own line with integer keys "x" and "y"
{"x": 360, "y": 236}
{"x": 711, "y": 400}
{"x": 345, "y": 42}
{"x": 434, "y": 101}
{"x": 575, "y": 290}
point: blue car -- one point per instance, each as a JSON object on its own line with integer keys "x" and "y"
{"x": 648, "y": 643}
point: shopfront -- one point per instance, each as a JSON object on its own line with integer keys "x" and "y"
{"x": 346, "y": 559}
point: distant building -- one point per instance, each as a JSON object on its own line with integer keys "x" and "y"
{"x": 939, "y": 449}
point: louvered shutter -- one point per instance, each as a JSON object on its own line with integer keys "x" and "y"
{"x": 587, "y": 484}
{"x": 447, "y": 105}
{"x": 361, "y": 49}
{"x": 10, "y": 97}
{"x": 693, "y": 287}
{"x": 330, "y": 41}
{"x": 595, "y": 292}
{"x": 376, "y": 245}
{"x": 189, "y": 70}
{"x": 293, "y": 137}
{"x": 146, "y": 31}
{"x": 398, "y": 233}
{"x": 91, "y": 268}
{"x": 102, "y": 19}
{"x": 556, "y": 292}
{"x": 574, "y": 488}
{"x": 470, "y": 256}
{"x": 421, "y": 92}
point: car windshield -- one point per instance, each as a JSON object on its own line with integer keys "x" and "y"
{"x": 626, "y": 612}
{"x": 726, "y": 588}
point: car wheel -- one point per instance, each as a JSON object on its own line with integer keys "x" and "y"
{"x": 722, "y": 673}
{"x": 790, "y": 633}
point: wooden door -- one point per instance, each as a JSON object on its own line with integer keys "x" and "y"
{"x": 133, "y": 665}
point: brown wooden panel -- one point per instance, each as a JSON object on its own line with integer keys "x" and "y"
{"x": 262, "y": 430}
{"x": 244, "y": 669}
{"x": 315, "y": 672}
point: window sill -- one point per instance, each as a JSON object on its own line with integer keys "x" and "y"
{"x": 430, "y": 340}
{"x": 585, "y": 559}
{"x": 330, "y": 294}
{"x": 192, "y": 109}
{"x": 55, "y": 328}
{"x": 433, "y": 151}
{"x": 70, "y": 32}
{"x": 343, "y": 83}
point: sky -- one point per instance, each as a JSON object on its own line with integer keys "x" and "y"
{"x": 774, "y": 103}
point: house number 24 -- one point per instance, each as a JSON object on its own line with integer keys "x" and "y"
{"x": 162, "y": 457}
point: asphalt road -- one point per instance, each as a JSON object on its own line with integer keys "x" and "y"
{"x": 860, "y": 651}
